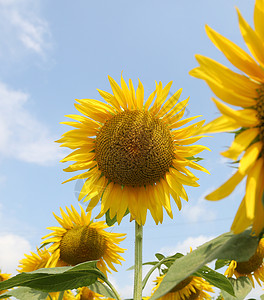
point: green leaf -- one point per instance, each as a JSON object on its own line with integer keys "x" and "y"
{"x": 214, "y": 278}
{"x": 220, "y": 263}
{"x": 239, "y": 247}
{"x": 159, "y": 256}
{"x": 25, "y": 293}
{"x": 165, "y": 261}
{"x": 100, "y": 288}
{"x": 196, "y": 159}
{"x": 56, "y": 279}
{"x": 242, "y": 286}
{"x": 111, "y": 222}
{"x": 262, "y": 297}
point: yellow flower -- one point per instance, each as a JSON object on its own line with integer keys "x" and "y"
{"x": 254, "y": 267}
{"x": 37, "y": 261}
{"x": 3, "y": 277}
{"x": 79, "y": 239}
{"x": 85, "y": 293}
{"x": 135, "y": 153}
{"x": 191, "y": 288}
{"x": 246, "y": 91}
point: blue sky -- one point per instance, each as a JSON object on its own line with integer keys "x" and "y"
{"x": 52, "y": 52}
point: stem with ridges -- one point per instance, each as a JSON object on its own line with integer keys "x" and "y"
{"x": 138, "y": 262}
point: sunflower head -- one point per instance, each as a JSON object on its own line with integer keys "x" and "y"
{"x": 79, "y": 239}
{"x": 253, "y": 267}
{"x": 3, "y": 277}
{"x": 246, "y": 92}
{"x": 133, "y": 153}
{"x": 191, "y": 288}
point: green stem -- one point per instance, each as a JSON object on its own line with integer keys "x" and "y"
{"x": 61, "y": 295}
{"x": 113, "y": 289}
{"x": 138, "y": 262}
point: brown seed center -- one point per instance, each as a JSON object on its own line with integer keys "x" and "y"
{"x": 81, "y": 244}
{"x": 247, "y": 267}
{"x": 182, "y": 284}
{"x": 260, "y": 112}
{"x": 134, "y": 148}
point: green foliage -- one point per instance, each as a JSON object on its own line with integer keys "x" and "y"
{"x": 56, "y": 279}
{"x": 100, "y": 288}
{"x": 220, "y": 263}
{"x": 25, "y": 293}
{"x": 239, "y": 247}
{"x": 214, "y": 278}
{"x": 196, "y": 159}
{"x": 111, "y": 222}
{"x": 242, "y": 286}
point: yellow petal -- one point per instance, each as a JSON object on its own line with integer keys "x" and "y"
{"x": 251, "y": 188}
{"x": 168, "y": 105}
{"x": 227, "y": 188}
{"x": 254, "y": 43}
{"x": 241, "y": 221}
{"x": 250, "y": 157}
{"x": 118, "y": 93}
{"x": 220, "y": 124}
{"x": 238, "y": 57}
{"x": 259, "y": 18}
{"x": 240, "y": 143}
{"x": 140, "y": 95}
{"x": 244, "y": 117}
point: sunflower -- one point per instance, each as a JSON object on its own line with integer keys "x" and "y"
{"x": 247, "y": 91}
{"x": 3, "y": 277}
{"x": 36, "y": 261}
{"x": 39, "y": 260}
{"x": 191, "y": 288}
{"x": 254, "y": 267}
{"x": 85, "y": 293}
{"x": 134, "y": 154}
{"x": 80, "y": 240}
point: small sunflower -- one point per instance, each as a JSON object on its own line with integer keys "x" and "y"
{"x": 85, "y": 293}
{"x": 79, "y": 239}
{"x": 254, "y": 267}
{"x": 191, "y": 288}
{"x": 39, "y": 260}
{"x": 135, "y": 153}
{"x": 3, "y": 277}
{"x": 36, "y": 261}
{"x": 246, "y": 91}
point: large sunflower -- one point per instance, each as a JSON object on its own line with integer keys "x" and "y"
{"x": 191, "y": 288}
{"x": 79, "y": 239}
{"x": 135, "y": 154}
{"x": 254, "y": 267}
{"x": 246, "y": 91}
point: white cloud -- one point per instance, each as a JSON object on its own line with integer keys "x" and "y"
{"x": 22, "y": 29}
{"x": 22, "y": 136}
{"x": 13, "y": 248}
{"x": 184, "y": 247}
{"x": 198, "y": 211}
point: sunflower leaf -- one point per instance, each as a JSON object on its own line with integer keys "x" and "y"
{"x": 56, "y": 279}
{"x": 214, "y": 278}
{"x": 220, "y": 263}
{"x": 25, "y": 293}
{"x": 242, "y": 286}
{"x": 159, "y": 256}
{"x": 100, "y": 288}
{"x": 239, "y": 247}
